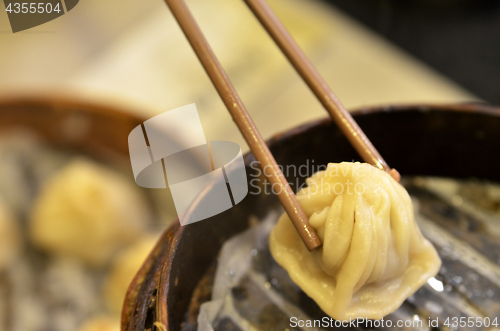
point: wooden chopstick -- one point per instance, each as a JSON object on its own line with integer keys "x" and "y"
{"x": 318, "y": 85}
{"x": 244, "y": 122}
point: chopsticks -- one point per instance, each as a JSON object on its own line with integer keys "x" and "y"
{"x": 318, "y": 85}
{"x": 245, "y": 124}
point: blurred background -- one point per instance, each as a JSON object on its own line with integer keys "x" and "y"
{"x": 74, "y": 231}
{"x": 371, "y": 52}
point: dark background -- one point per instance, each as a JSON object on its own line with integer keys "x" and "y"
{"x": 459, "y": 38}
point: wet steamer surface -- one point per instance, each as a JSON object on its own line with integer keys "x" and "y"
{"x": 460, "y": 217}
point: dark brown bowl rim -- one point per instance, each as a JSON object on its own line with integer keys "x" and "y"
{"x": 68, "y": 101}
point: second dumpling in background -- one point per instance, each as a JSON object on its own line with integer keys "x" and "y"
{"x": 87, "y": 211}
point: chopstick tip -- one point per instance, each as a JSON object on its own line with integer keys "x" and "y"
{"x": 312, "y": 241}
{"x": 395, "y": 174}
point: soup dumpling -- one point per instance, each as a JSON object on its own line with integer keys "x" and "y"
{"x": 373, "y": 255}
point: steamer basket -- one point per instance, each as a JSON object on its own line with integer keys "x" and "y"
{"x": 72, "y": 124}
{"x": 458, "y": 141}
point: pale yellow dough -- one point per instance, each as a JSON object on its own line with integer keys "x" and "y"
{"x": 87, "y": 211}
{"x": 373, "y": 255}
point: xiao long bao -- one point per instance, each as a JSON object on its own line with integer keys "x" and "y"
{"x": 373, "y": 255}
